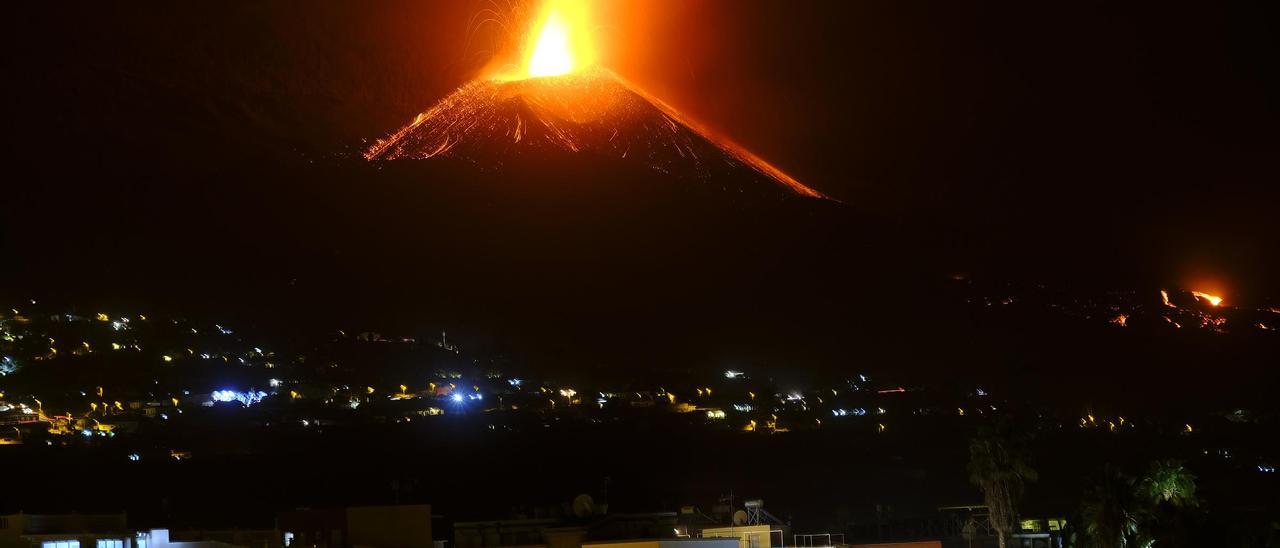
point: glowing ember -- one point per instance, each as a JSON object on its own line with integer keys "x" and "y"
{"x": 1213, "y": 300}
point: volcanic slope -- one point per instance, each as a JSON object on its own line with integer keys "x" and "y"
{"x": 592, "y": 112}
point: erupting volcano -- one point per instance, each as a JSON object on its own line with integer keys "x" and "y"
{"x": 560, "y": 101}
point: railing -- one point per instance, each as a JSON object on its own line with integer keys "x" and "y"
{"x": 818, "y": 540}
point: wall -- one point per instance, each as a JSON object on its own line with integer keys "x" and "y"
{"x": 405, "y": 526}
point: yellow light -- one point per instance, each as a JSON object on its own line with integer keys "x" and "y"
{"x": 561, "y": 41}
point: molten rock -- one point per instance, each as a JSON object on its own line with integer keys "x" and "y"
{"x": 589, "y": 112}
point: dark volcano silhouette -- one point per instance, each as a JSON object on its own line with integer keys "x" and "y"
{"x": 592, "y": 112}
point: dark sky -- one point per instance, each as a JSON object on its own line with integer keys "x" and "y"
{"x": 1140, "y": 129}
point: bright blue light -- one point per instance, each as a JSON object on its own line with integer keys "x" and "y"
{"x": 223, "y": 395}
{"x": 247, "y": 398}
{"x": 457, "y": 398}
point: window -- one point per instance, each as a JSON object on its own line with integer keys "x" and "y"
{"x": 60, "y": 544}
{"x": 110, "y": 543}
{"x": 288, "y": 539}
{"x": 140, "y": 542}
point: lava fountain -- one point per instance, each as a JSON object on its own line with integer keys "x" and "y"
{"x": 562, "y": 42}
{"x": 559, "y": 100}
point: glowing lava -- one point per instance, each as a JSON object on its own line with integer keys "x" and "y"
{"x": 1213, "y": 300}
{"x": 561, "y": 101}
{"x": 561, "y": 42}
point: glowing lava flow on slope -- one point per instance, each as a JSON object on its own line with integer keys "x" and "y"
{"x": 1213, "y": 300}
{"x": 561, "y": 101}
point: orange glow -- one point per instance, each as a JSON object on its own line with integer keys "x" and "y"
{"x": 560, "y": 42}
{"x": 1213, "y": 300}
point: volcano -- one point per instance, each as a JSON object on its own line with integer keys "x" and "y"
{"x": 492, "y": 123}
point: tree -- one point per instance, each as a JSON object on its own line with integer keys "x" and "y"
{"x": 1120, "y": 511}
{"x": 1168, "y": 482}
{"x": 1170, "y": 491}
{"x": 998, "y": 465}
{"x": 1111, "y": 515}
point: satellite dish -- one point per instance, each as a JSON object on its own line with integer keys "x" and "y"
{"x": 583, "y": 506}
{"x": 740, "y": 517}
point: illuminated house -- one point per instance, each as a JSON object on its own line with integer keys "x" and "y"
{"x": 110, "y": 531}
{"x": 586, "y": 524}
{"x": 566, "y": 532}
{"x": 65, "y": 531}
{"x": 160, "y": 538}
{"x": 667, "y": 543}
{"x": 405, "y": 526}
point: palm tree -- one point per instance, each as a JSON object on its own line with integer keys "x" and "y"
{"x": 1168, "y": 482}
{"x": 1170, "y": 492}
{"x": 998, "y": 465}
{"x": 1111, "y": 515}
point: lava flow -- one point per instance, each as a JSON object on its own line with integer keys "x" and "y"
{"x": 561, "y": 101}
